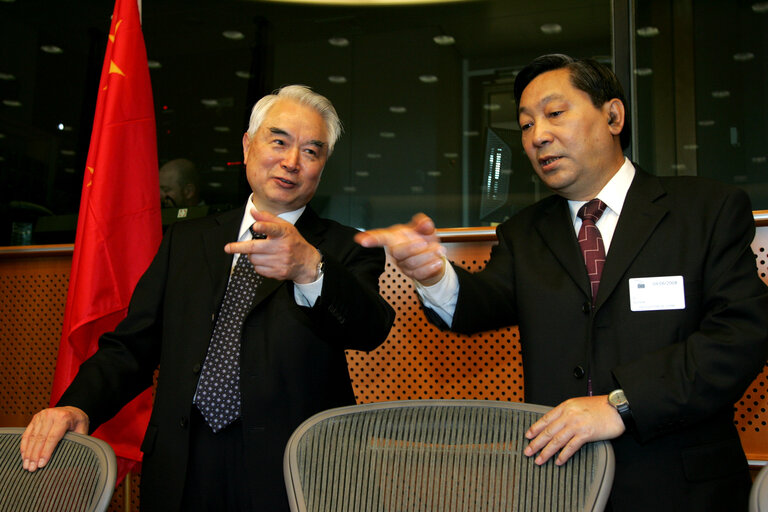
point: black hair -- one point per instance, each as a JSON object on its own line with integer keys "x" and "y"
{"x": 595, "y": 79}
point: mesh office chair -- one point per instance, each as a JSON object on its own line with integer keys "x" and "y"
{"x": 436, "y": 456}
{"x": 758, "y": 498}
{"x": 79, "y": 477}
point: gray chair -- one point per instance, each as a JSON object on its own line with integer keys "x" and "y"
{"x": 436, "y": 456}
{"x": 758, "y": 498}
{"x": 79, "y": 477}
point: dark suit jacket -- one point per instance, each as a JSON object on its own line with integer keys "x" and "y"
{"x": 682, "y": 370}
{"x": 292, "y": 361}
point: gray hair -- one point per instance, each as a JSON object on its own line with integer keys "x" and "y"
{"x": 304, "y": 96}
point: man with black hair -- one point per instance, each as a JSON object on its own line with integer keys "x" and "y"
{"x": 642, "y": 318}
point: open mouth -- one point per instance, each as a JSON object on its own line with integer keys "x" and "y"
{"x": 285, "y": 181}
{"x": 547, "y": 161}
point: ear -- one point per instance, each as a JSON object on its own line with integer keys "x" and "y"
{"x": 615, "y": 115}
{"x": 246, "y": 143}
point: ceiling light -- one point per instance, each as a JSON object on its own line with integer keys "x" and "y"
{"x": 451, "y": 155}
{"x": 350, "y": 188}
{"x": 492, "y": 106}
{"x": 395, "y": 109}
{"x": 434, "y": 174}
{"x": 68, "y": 152}
{"x": 444, "y": 40}
{"x": 387, "y": 135}
{"x": 11, "y": 103}
{"x": 362, "y": 174}
{"x": 7, "y": 76}
{"x": 210, "y": 102}
{"x": 428, "y": 79}
{"x": 242, "y": 74}
{"x": 706, "y": 122}
{"x": 758, "y": 159}
{"x": 52, "y": 49}
{"x": 417, "y": 189}
{"x": 743, "y": 57}
{"x": 551, "y": 28}
{"x": 337, "y": 79}
{"x": 221, "y": 129}
{"x": 220, "y": 150}
{"x": 69, "y": 170}
{"x": 373, "y": 156}
{"x": 648, "y": 31}
{"x": 691, "y": 147}
{"x": 471, "y": 133}
{"x": 218, "y": 168}
{"x": 643, "y": 71}
{"x": 721, "y": 94}
{"x": 234, "y": 35}
{"x": 153, "y": 64}
{"x": 760, "y": 7}
{"x": 339, "y": 42}
{"x": 214, "y": 184}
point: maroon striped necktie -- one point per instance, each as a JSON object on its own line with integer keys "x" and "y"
{"x": 591, "y": 242}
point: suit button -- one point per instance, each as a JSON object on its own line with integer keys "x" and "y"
{"x": 579, "y": 372}
{"x": 196, "y": 369}
{"x": 184, "y": 422}
{"x": 586, "y": 308}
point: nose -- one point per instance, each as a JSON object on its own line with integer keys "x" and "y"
{"x": 540, "y": 134}
{"x": 291, "y": 160}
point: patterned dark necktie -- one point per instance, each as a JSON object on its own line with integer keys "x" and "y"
{"x": 218, "y": 390}
{"x": 591, "y": 242}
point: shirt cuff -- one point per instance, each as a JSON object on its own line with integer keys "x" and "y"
{"x": 442, "y": 296}
{"x": 306, "y": 294}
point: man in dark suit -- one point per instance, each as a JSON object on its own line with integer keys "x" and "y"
{"x": 654, "y": 352}
{"x": 318, "y": 296}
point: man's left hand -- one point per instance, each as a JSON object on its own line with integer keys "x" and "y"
{"x": 570, "y": 425}
{"x": 284, "y": 255}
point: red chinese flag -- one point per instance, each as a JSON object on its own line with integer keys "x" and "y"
{"x": 119, "y": 227}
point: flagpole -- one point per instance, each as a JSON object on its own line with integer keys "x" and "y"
{"x": 127, "y": 492}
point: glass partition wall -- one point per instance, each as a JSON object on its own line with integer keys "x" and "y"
{"x": 424, "y": 92}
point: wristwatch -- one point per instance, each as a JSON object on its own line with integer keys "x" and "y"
{"x": 619, "y": 401}
{"x": 320, "y": 270}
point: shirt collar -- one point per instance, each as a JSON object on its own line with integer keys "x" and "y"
{"x": 614, "y": 192}
{"x": 248, "y": 219}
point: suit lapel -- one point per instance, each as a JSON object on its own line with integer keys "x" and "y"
{"x": 640, "y": 216}
{"x": 218, "y": 262}
{"x": 556, "y": 229}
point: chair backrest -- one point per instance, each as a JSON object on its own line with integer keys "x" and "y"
{"x": 436, "y": 455}
{"x": 79, "y": 477}
{"x": 758, "y": 498}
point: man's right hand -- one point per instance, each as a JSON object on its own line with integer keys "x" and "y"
{"x": 45, "y": 431}
{"x": 414, "y": 246}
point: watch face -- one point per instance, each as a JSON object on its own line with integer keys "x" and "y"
{"x": 617, "y": 398}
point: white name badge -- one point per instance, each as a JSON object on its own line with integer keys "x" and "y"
{"x": 656, "y": 293}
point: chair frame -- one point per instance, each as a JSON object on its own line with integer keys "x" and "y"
{"x": 758, "y": 496}
{"x": 598, "y": 495}
{"x": 100, "y": 449}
